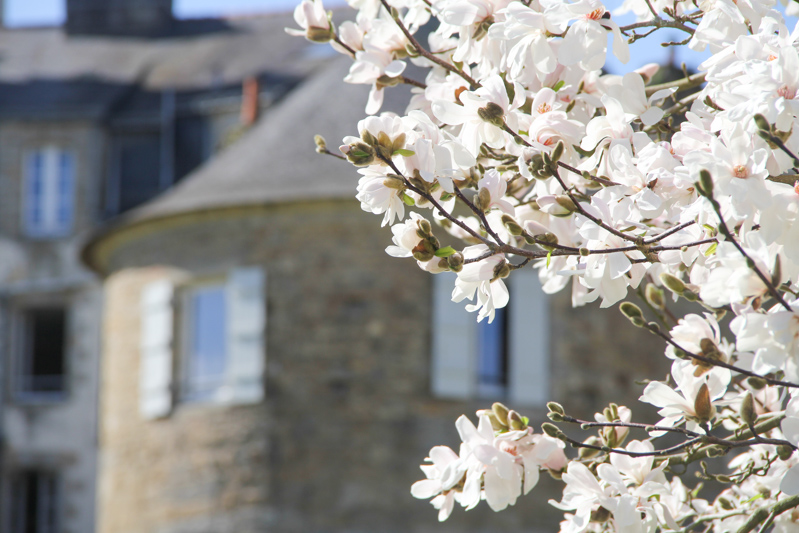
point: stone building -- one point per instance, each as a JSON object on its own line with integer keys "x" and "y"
{"x": 258, "y": 362}
{"x": 267, "y": 367}
{"x": 90, "y": 127}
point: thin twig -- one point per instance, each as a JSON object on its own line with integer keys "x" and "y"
{"x": 425, "y": 53}
{"x": 771, "y": 381}
{"x": 668, "y": 232}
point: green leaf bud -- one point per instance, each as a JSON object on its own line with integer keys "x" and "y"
{"x": 555, "y": 407}
{"x": 566, "y": 203}
{"x": 706, "y": 182}
{"x": 321, "y": 144}
{"x": 512, "y": 226}
{"x": 632, "y": 311}
{"x": 654, "y": 296}
{"x": 673, "y": 283}
{"x": 557, "y": 152}
{"x": 762, "y": 123}
{"x": 551, "y": 429}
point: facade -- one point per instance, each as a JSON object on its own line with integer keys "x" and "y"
{"x": 201, "y": 331}
{"x": 92, "y": 126}
{"x": 331, "y": 368}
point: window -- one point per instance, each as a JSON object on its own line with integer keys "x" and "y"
{"x": 220, "y": 353}
{"x": 492, "y": 356}
{"x": 41, "y": 363}
{"x": 204, "y": 351}
{"x": 136, "y": 171}
{"x": 505, "y": 360}
{"x": 49, "y": 176}
{"x": 34, "y": 502}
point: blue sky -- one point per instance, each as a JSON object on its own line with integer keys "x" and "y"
{"x": 50, "y": 12}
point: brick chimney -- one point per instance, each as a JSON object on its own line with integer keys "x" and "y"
{"x": 119, "y": 17}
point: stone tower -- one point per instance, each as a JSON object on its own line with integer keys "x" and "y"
{"x": 114, "y": 17}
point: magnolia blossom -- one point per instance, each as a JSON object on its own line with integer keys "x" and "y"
{"x": 526, "y": 155}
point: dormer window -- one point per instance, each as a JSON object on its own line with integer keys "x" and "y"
{"x": 48, "y": 192}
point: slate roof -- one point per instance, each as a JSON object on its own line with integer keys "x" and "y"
{"x": 276, "y": 160}
{"x": 47, "y": 74}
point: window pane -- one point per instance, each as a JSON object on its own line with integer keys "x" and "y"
{"x": 207, "y": 340}
{"x": 43, "y": 358}
{"x": 65, "y": 195}
{"x": 492, "y": 355}
{"x": 35, "y": 502}
{"x": 49, "y": 192}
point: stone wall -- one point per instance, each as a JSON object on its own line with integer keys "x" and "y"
{"x": 61, "y": 434}
{"x": 348, "y": 416}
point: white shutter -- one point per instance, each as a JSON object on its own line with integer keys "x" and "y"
{"x": 528, "y": 333}
{"x": 155, "y": 372}
{"x": 244, "y": 380}
{"x": 454, "y": 343}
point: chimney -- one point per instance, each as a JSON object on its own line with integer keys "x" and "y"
{"x": 119, "y": 17}
{"x": 249, "y": 101}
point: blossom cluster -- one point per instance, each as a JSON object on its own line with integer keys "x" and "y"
{"x": 517, "y": 151}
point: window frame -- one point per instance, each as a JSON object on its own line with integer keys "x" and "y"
{"x": 455, "y": 358}
{"x": 20, "y": 323}
{"x": 12, "y": 494}
{"x": 186, "y": 391}
{"x": 57, "y": 194}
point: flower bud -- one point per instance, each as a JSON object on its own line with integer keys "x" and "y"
{"x": 633, "y": 312}
{"x": 702, "y": 405}
{"x": 424, "y": 251}
{"x": 495, "y": 424}
{"x": 316, "y": 34}
{"x": 784, "y": 452}
{"x": 551, "y": 429}
{"x": 654, "y": 296}
{"x": 501, "y": 271}
{"x": 747, "y": 410}
{"x": 359, "y": 154}
{"x": 725, "y": 504}
{"x": 455, "y": 262}
{"x": 321, "y": 144}
{"x": 555, "y": 407}
{"x": 756, "y": 383}
{"x": 706, "y": 183}
{"x": 601, "y": 515}
{"x": 425, "y": 227}
{"x": 762, "y": 123}
{"x": 557, "y": 152}
{"x": 493, "y": 114}
{"x": 501, "y": 412}
{"x": 673, "y": 283}
{"x": 512, "y": 226}
{"x": 555, "y": 417}
{"x": 483, "y": 199}
{"x": 394, "y": 182}
{"x": 566, "y": 203}
{"x": 515, "y": 420}
{"x": 587, "y": 453}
